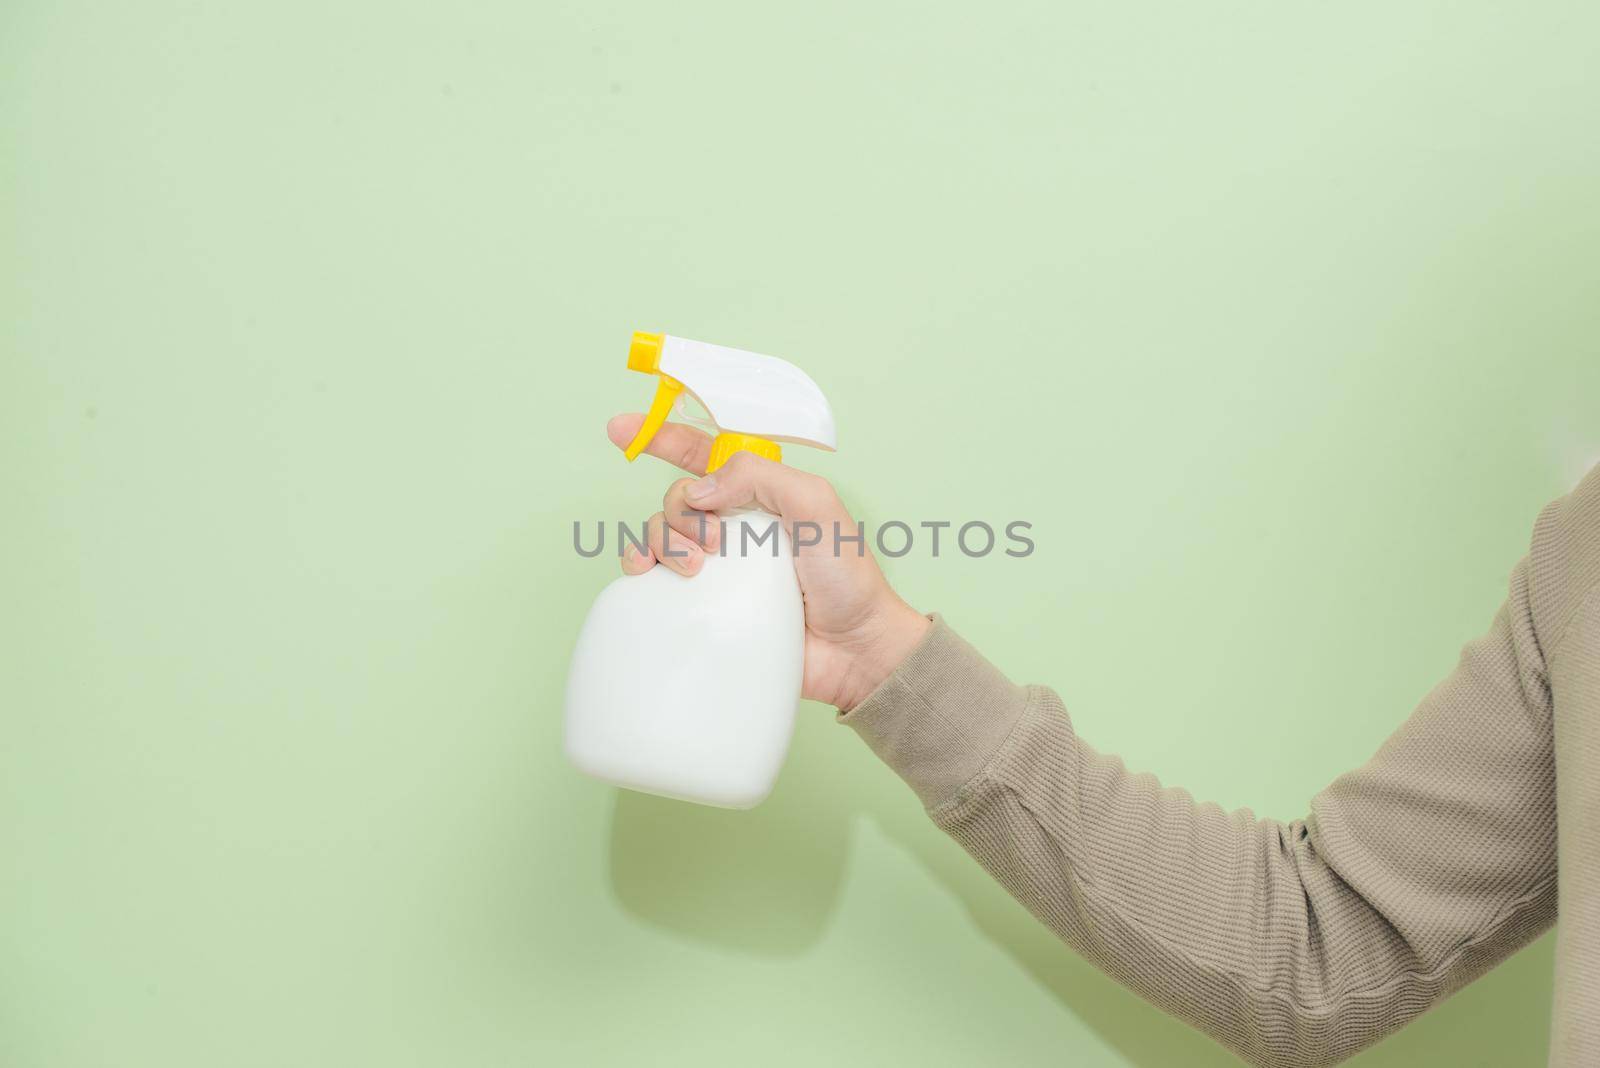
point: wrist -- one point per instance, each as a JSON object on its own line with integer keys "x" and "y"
{"x": 898, "y": 630}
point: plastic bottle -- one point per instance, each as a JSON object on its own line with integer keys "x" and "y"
{"x": 687, "y": 687}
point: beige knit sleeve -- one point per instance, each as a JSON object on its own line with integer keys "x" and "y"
{"x": 1290, "y": 943}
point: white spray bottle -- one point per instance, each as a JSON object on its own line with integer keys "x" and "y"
{"x": 687, "y": 687}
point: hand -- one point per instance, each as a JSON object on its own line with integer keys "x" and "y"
{"x": 857, "y": 629}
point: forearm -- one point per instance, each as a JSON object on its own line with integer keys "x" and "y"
{"x": 1250, "y": 929}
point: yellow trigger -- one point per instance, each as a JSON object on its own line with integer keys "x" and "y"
{"x": 666, "y": 392}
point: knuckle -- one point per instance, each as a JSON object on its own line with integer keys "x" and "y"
{"x": 742, "y": 463}
{"x": 815, "y": 488}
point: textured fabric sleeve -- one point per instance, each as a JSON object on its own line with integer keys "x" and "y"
{"x": 1566, "y": 565}
{"x": 1290, "y": 943}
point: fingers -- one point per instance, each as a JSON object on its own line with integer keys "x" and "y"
{"x": 662, "y": 545}
{"x": 677, "y": 551}
{"x": 675, "y": 443}
{"x": 689, "y": 521}
{"x": 681, "y": 533}
{"x": 636, "y": 560}
{"x": 747, "y": 480}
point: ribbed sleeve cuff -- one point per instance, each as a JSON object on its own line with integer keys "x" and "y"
{"x": 941, "y": 717}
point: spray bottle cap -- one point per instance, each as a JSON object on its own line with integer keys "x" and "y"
{"x": 755, "y": 401}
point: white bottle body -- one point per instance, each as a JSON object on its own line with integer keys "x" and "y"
{"x": 687, "y": 687}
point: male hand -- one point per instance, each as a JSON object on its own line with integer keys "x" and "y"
{"x": 857, "y": 629}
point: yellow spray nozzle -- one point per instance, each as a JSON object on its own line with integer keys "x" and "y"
{"x": 644, "y": 352}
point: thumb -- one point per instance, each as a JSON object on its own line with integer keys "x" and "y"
{"x": 747, "y": 480}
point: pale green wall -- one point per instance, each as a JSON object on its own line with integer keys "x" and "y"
{"x": 1277, "y": 320}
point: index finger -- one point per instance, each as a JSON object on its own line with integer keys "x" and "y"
{"x": 675, "y": 443}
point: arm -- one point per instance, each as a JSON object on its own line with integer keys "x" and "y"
{"x": 1295, "y": 943}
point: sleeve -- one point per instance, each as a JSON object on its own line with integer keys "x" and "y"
{"x": 1292, "y": 943}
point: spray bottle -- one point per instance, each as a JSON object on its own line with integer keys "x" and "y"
{"x": 687, "y": 687}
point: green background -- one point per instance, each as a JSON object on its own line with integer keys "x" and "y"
{"x": 1276, "y": 320}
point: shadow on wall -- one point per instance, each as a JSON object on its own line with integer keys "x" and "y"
{"x": 763, "y": 881}
{"x": 767, "y": 882}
